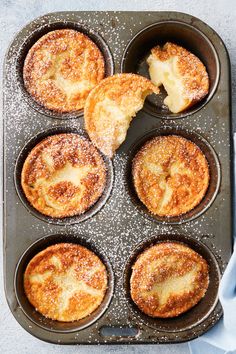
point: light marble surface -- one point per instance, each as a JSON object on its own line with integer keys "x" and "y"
{"x": 14, "y": 14}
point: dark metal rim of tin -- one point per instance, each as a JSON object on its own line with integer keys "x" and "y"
{"x": 196, "y": 107}
{"x": 97, "y": 206}
{"x": 214, "y": 184}
{"x": 37, "y": 34}
{"x": 197, "y": 314}
{"x": 29, "y": 310}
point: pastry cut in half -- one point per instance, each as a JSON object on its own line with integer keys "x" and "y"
{"x": 182, "y": 74}
{"x": 63, "y": 175}
{"x": 110, "y": 107}
{"x": 65, "y": 282}
{"x": 61, "y": 68}
{"x": 170, "y": 175}
{"x": 168, "y": 279}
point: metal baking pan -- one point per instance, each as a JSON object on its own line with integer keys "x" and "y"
{"x": 118, "y": 227}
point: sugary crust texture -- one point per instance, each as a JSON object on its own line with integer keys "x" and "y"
{"x": 168, "y": 279}
{"x": 65, "y": 282}
{"x": 110, "y": 107}
{"x": 170, "y": 175}
{"x": 63, "y": 175}
{"x": 190, "y": 70}
{"x": 61, "y": 68}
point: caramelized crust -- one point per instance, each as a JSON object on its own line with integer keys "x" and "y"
{"x": 63, "y": 175}
{"x": 110, "y": 107}
{"x": 170, "y": 175}
{"x": 65, "y": 282}
{"x": 61, "y": 68}
{"x": 182, "y": 74}
{"x": 168, "y": 279}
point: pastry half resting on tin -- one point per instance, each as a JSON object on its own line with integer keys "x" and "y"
{"x": 61, "y": 68}
{"x": 168, "y": 279}
{"x": 182, "y": 74}
{"x": 170, "y": 175}
{"x": 63, "y": 175}
{"x": 65, "y": 282}
{"x": 110, "y": 107}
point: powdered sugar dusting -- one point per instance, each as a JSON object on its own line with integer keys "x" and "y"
{"x": 118, "y": 227}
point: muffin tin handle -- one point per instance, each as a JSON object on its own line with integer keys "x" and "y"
{"x": 119, "y": 331}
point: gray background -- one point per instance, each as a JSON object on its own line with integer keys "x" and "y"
{"x": 14, "y": 14}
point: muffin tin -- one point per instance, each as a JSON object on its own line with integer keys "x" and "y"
{"x": 118, "y": 226}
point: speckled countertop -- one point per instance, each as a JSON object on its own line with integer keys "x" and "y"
{"x": 15, "y": 14}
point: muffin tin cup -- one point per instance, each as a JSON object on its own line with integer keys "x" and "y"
{"x": 67, "y": 220}
{"x": 214, "y": 169}
{"x": 30, "y": 311}
{"x": 34, "y": 37}
{"x": 197, "y": 314}
{"x": 178, "y": 32}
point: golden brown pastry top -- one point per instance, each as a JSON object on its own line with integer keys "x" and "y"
{"x": 168, "y": 279}
{"x": 63, "y": 175}
{"x": 65, "y": 282}
{"x": 170, "y": 175}
{"x": 110, "y": 107}
{"x": 183, "y": 75}
{"x": 61, "y": 68}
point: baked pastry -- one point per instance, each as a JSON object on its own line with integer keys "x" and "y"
{"x": 63, "y": 175}
{"x": 170, "y": 175}
{"x": 61, "y": 68}
{"x": 182, "y": 74}
{"x": 110, "y": 107}
{"x": 65, "y": 282}
{"x": 168, "y": 279}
